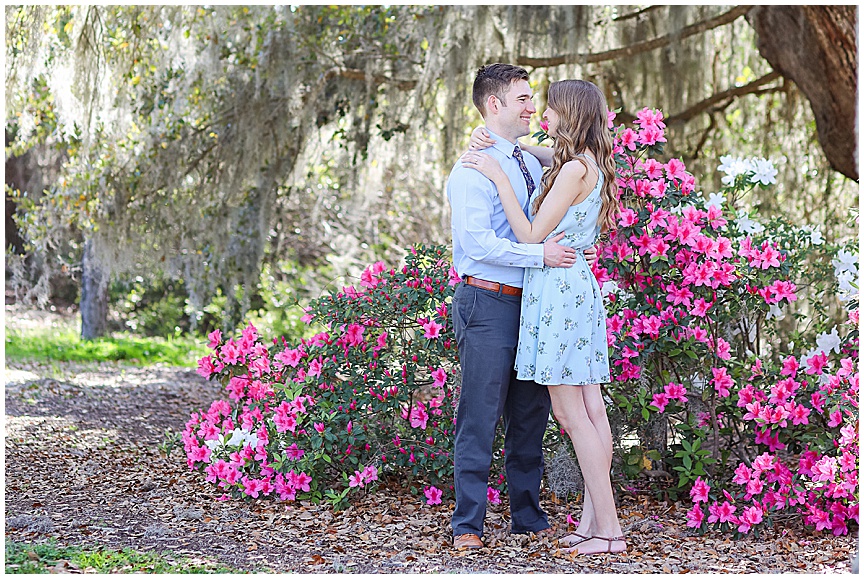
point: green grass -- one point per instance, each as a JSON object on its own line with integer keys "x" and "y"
{"x": 66, "y": 345}
{"x": 27, "y": 558}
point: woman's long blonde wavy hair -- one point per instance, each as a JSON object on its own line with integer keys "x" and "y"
{"x": 582, "y": 125}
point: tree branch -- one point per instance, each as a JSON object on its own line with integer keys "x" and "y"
{"x": 638, "y": 47}
{"x": 638, "y": 13}
{"x": 731, "y": 93}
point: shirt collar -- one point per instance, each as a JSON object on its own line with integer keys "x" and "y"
{"x": 502, "y": 144}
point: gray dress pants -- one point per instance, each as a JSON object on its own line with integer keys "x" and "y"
{"x": 487, "y": 332}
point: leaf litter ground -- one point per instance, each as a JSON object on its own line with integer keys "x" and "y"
{"x": 84, "y": 468}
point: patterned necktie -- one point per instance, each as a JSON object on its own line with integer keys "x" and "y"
{"x": 517, "y": 152}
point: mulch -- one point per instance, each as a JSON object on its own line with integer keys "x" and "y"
{"x": 83, "y": 468}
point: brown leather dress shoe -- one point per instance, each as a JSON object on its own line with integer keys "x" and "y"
{"x": 467, "y": 541}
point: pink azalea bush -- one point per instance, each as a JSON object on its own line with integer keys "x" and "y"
{"x": 695, "y": 291}
{"x": 372, "y": 394}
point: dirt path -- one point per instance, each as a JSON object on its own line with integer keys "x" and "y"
{"x": 83, "y": 467}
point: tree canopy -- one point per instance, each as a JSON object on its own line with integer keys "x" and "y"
{"x": 202, "y": 143}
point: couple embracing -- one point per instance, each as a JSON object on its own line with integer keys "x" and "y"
{"x": 528, "y": 316}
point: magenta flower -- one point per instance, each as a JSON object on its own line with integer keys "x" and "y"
{"x": 725, "y": 513}
{"x": 545, "y": 126}
{"x": 215, "y": 338}
{"x": 370, "y": 473}
{"x": 356, "y": 480}
{"x": 440, "y": 377}
{"x": 742, "y": 474}
{"x": 433, "y": 495}
{"x": 660, "y": 401}
{"x": 699, "y": 491}
{"x": 432, "y": 329}
{"x": 418, "y": 416}
{"x": 695, "y": 516}
{"x": 293, "y": 452}
{"x": 751, "y": 516}
{"x": 493, "y": 495}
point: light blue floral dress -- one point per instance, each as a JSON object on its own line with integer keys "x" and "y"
{"x": 562, "y": 331}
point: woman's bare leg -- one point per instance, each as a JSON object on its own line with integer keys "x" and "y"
{"x": 590, "y": 441}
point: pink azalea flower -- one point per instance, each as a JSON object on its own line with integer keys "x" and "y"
{"x": 658, "y": 247}
{"x": 848, "y": 435}
{"x": 571, "y": 520}
{"x": 418, "y": 416}
{"x": 742, "y": 474}
{"x": 722, "y": 381}
{"x": 653, "y": 169}
{"x": 356, "y": 480}
{"x": 229, "y": 353}
{"x": 723, "y": 349}
{"x": 440, "y": 377}
{"x": 628, "y": 218}
{"x": 695, "y": 516}
{"x": 650, "y": 118}
{"x": 370, "y": 473}
{"x": 215, "y": 338}
{"x": 660, "y": 401}
{"x": 629, "y": 138}
{"x": 300, "y": 481}
{"x": 675, "y": 169}
{"x": 206, "y": 367}
{"x": 315, "y": 367}
{"x": 354, "y": 333}
{"x": 835, "y": 419}
{"x": 651, "y": 136}
{"x": 699, "y": 491}
{"x": 676, "y": 391}
{"x": 701, "y": 307}
{"x": 433, "y": 495}
{"x": 432, "y": 329}
{"x": 493, "y": 495}
{"x": 751, "y": 516}
{"x": 724, "y": 513}
{"x": 800, "y": 414}
{"x": 610, "y": 116}
{"x": 293, "y": 452}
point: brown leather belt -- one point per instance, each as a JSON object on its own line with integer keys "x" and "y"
{"x": 507, "y": 290}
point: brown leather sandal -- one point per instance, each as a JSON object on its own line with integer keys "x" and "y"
{"x": 609, "y": 541}
{"x": 568, "y": 544}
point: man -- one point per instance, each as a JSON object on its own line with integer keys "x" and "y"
{"x": 486, "y": 309}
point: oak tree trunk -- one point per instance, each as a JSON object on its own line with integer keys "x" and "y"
{"x": 94, "y": 295}
{"x": 815, "y": 47}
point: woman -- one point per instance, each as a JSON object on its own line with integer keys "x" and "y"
{"x": 562, "y": 336}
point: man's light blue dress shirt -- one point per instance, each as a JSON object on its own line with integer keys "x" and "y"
{"x": 484, "y": 246}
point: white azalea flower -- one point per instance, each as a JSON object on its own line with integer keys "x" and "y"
{"x": 763, "y": 171}
{"x": 845, "y": 261}
{"x": 238, "y": 437}
{"x": 846, "y": 280}
{"x": 747, "y": 225}
{"x": 732, "y": 166}
{"x": 609, "y": 287}
{"x": 214, "y": 444}
{"x": 815, "y": 235}
{"x": 827, "y": 342}
{"x": 716, "y": 199}
{"x": 775, "y": 312}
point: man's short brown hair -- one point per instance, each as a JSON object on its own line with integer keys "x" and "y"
{"x": 495, "y": 79}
